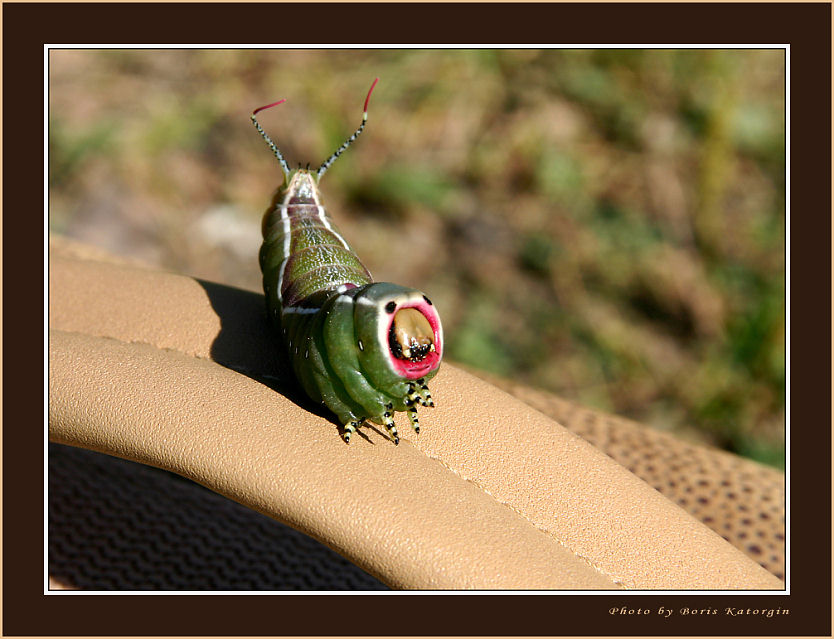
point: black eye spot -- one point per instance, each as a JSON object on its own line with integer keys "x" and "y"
{"x": 428, "y": 301}
{"x": 389, "y": 307}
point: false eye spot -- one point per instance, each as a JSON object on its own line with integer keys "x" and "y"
{"x": 389, "y": 307}
{"x": 428, "y": 301}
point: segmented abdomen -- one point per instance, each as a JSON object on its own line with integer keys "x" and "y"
{"x": 303, "y": 253}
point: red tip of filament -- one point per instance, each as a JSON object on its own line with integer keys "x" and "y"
{"x": 367, "y": 99}
{"x": 268, "y": 106}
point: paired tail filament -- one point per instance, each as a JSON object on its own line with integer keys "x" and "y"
{"x": 326, "y": 164}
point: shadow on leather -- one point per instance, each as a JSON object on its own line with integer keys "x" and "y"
{"x": 119, "y": 525}
{"x": 249, "y": 345}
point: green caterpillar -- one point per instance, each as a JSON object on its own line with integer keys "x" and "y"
{"x": 365, "y": 349}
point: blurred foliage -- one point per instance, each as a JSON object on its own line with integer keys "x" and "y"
{"x": 605, "y": 224}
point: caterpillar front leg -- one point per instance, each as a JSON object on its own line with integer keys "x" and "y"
{"x": 425, "y": 395}
{"x": 350, "y": 428}
{"x": 412, "y": 417}
{"x": 413, "y": 397}
{"x": 388, "y": 422}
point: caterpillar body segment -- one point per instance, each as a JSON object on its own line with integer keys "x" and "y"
{"x": 365, "y": 349}
{"x": 303, "y": 252}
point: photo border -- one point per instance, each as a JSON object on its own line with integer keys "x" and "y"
{"x": 806, "y": 28}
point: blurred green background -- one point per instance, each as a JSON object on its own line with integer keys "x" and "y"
{"x": 608, "y": 225}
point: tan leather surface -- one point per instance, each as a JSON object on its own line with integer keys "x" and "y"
{"x": 492, "y": 494}
{"x": 741, "y": 500}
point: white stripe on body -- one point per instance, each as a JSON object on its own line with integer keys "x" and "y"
{"x": 305, "y": 188}
{"x": 285, "y": 219}
{"x": 327, "y": 225}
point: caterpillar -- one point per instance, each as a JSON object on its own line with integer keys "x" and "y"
{"x": 364, "y": 349}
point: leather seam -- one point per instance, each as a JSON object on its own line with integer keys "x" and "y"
{"x": 169, "y": 349}
{"x": 244, "y": 371}
{"x": 616, "y": 581}
{"x": 138, "y": 342}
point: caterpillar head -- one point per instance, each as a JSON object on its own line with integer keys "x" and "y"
{"x": 400, "y": 336}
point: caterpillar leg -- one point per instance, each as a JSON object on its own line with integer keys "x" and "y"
{"x": 425, "y": 395}
{"x": 388, "y": 422}
{"x": 350, "y": 428}
{"x": 412, "y": 417}
{"x": 412, "y": 397}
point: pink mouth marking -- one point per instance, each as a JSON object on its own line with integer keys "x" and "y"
{"x": 416, "y": 370}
